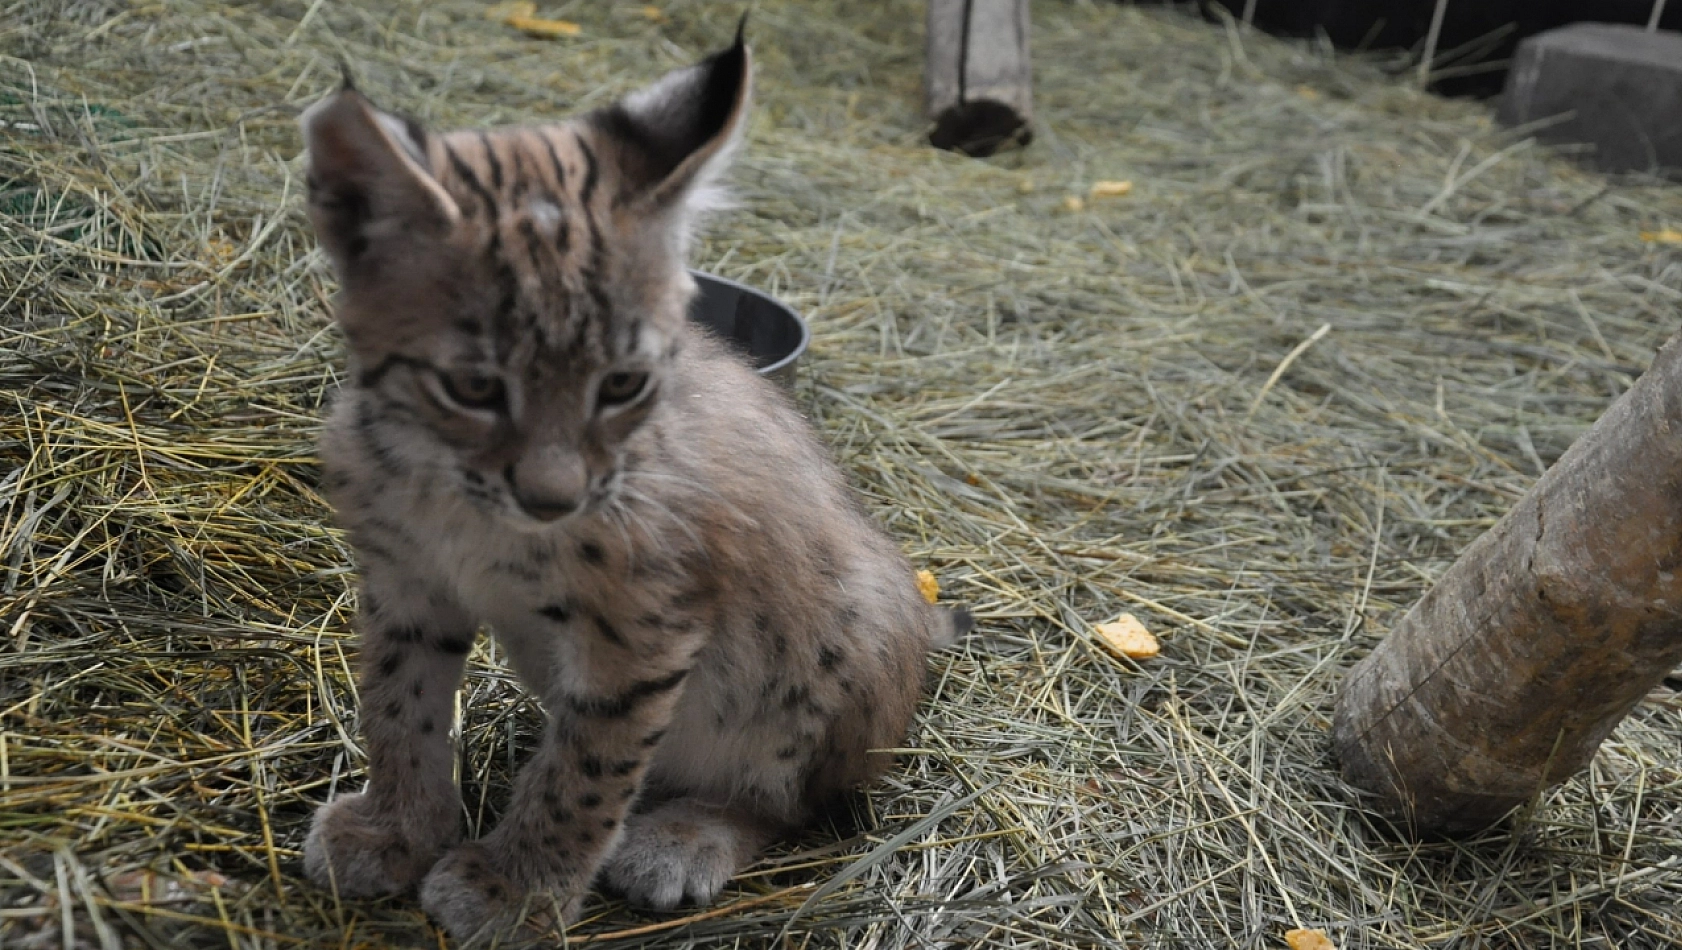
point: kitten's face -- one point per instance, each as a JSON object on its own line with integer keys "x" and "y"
{"x": 542, "y": 336}
{"x": 513, "y": 299}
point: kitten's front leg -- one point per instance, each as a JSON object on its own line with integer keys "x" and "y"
{"x": 608, "y": 709}
{"x": 384, "y": 839}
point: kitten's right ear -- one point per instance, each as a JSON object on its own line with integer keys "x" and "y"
{"x": 675, "y": 136}
{"x": 368, "y": 179}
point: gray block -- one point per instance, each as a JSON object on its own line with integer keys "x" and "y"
{"x": 1618, "y": 88}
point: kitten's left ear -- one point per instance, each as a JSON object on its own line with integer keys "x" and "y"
{"x": 675, "y": 136}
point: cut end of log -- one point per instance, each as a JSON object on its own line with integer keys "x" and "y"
{"x": 980, "y": 128}
{"x": 977, "y": 78}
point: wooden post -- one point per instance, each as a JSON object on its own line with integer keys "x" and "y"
{"x": 977, "y": 77}
{"x": 1548, "y": 630}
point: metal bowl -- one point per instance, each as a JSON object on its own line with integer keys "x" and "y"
{"x": 767, "y": 331}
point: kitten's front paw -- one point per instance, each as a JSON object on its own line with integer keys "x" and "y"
{"x": 477, "y": 903}
{"x": 673, "y": 853}
{"x": 364, "y": 853}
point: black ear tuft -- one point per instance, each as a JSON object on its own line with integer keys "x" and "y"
{"x": 669, "y": 130}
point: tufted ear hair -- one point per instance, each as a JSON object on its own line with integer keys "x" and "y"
{"x": 674, "y": 138}
{"x": 369, "y": 181}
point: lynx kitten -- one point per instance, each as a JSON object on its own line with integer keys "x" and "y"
{"x": 533, "y": 435}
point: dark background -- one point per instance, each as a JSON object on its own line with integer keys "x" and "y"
{"x": 1478, "y": 36}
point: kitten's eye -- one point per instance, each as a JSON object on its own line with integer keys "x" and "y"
{"x": 621, "y": 388}
{"x": 473, "y": 388}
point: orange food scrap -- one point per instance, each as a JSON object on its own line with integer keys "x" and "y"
{"x": 928, "y": 586}
{"x": 1664, "y": 236}
{"x": 1111, "y": 189}
{"x": 1073, "y": 203}
{"x": 1128, "y": 637}
{"x": 654, "y": 14}
{"x": 543, "y": 29}
{"x": 219, "y": 253}
{"x": 1309, "y": 940}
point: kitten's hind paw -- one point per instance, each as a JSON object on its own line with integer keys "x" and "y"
{"x": 363, "y": 852}
{"x": 681, "y": 850}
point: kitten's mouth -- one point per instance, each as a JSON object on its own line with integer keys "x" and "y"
{"x": 527, "y": 523}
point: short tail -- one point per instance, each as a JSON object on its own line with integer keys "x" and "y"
{"x": 958, "y": 623}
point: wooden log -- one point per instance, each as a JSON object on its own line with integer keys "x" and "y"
{"x": 977, "y": 79}
{"x": 1547, "y": 631}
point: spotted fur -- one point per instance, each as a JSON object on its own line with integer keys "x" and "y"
{"x": 532, "y": 435}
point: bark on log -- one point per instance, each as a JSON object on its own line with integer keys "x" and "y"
{"x": 977, "y": 77}
{"x": 1548, "y": 630}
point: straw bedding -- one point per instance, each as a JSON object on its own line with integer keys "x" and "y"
{"x": 1066, "y": 414}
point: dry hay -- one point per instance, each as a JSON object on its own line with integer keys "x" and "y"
{"x": 1066, "y": 414}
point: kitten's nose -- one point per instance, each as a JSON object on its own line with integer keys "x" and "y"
{"x": 548, "y": 482}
